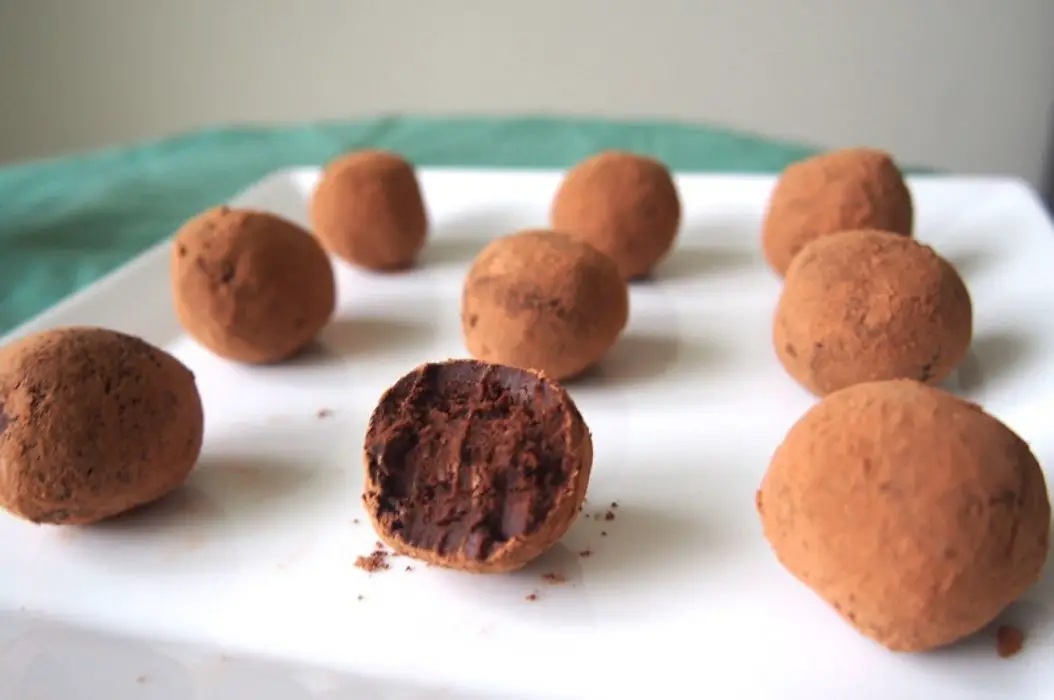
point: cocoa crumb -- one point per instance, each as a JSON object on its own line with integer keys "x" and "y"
{"x": 586, "y": 553}
{"x": 361, "y": 596}
{"x": 609, "y": 515}
{"x": 603, "y": 533}
{"x": 378, "y": 544}
{"x": 531, "y": 597}
{"x": 1009, "y": 640}
{"x": 409, "y": 568}
{"x": 354, "y": 521}
{"x": 614, "y": 504}
{"x": 374, "y": 561}
{"x": 324, "y": 413}
{"x": 554, "y": 578}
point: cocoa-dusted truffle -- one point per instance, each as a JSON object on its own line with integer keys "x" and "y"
{"x": 475, "y": 466}
{"x": 250, "y": 286}
{"x": 624, "y": 204}
{"x": 867, "y": 305}
{"x": 92, "y": 424}
{"x": 543, "y": 300}
{"x": 916, "y": 515}
{"x": 368, "y": 209}
{"x": 852, "y": 188}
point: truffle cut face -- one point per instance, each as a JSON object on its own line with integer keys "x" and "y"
{"x": 368, "y": 209}
{"x": 543, "y": 300}
{"x": 851, "y": 188}
{"x": 869, "y": 305}
{"x": 916, "y": 515}
{"x": 475, "y": 466}
{"x": 250, "y": 286}
{"x": 93, "y": 423}
{"x": 625, "y": 205}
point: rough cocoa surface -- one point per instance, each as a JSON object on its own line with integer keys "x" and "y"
{"x": 250, "y": 286}
{"x": 851, "y": 188}
{"x": 624, "y": 204}
{"x": 95, "y": 423}
{"x": 543, "y": 300}
{"x": 368, "y": 209}
{"x": 475, "y": 466}
{"x": 916, "y": 515}
{"x": 869, "y": 305}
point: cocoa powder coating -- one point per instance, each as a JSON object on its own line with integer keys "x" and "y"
{"x": 368, "y": 209}
{"x": 916, "y": 515}
{"x": 869, "y": 305}
{"x": 250, "y": 286}
{"x": 543, "y": 300}
{"x": 852, "y": 188}
{"x": 475, "y": 466}
{"x": 624, "y": 204}
{"x": 94, "y": 423}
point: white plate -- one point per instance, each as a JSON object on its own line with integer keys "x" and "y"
{"x": 243, "y": 583}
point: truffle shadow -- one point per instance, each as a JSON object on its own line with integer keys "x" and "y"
{"x": 358, "y": 336}
{"x": 696, "y": 262}
{"x": 456, "y": 240}
{"x": 638, "y": 357}
{"x": 227, "y": 498}
{"x": 991, "y": 356}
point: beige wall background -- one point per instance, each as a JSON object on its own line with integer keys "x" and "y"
{"x": 961, "y": 84}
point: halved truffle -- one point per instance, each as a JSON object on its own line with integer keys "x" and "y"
{"x": 543, "y": 300}
{"x": 93, "y": 423}
{"x": 863, "y": 306}
{"x": 475, "y": 466}
{"x": 850, "y": 188}
{"x": 250, "y": 286}
{"x": 916, "y": 515}
{"x": 368, "y": 210}
{"x": 624, "y": 204}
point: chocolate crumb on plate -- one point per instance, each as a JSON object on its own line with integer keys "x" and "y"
{"x": 609, "y": 515}
{"x": 1009, "y": 640}
{"x": 376, "y": 560}
{"x": 586, "y": 553}
{"x": 325, "y": 413}
{"x": 531, "y": 597}
{"x": 554, "y": 578}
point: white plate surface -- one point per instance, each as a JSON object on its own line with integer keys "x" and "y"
{"x": 243, "y": 583}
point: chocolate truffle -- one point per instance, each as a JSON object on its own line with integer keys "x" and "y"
{"x": 368, "y": 210}
{"x": 916, "y": 515}
{"x": 625, "y": 205}
{"x": 250, "y": 286}
{"x": 93, "y": 423}
{"x": 475, "y": 466}
{"x": 852, "y": 188}
{"x": 868, "y": 305}
{"x": 543, "y": 300}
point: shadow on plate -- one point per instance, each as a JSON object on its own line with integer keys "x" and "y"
{"x": 641, "y": 357}
{"x": 691, "y": 263}
{"x": 631, "y": 558}
{"x": 359, "y": 336}
{"x": 991, "y": 357}
{"x": 225, "y": 498}
{"x": 972, "y": 261}
{"x": 458, "y": 239}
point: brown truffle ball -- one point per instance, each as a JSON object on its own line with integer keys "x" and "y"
{"x": 916, "y": 515}
{"x": 474, "y": 466}
{"x": 368, "y": 209}
{"x": 543, "y": 300}
{"x": 250, "y": 286}
{"x": 625, "y": 205}
{"x": 93, "y": 423}
{"x": 868, "y": 305}
{"x": 852, "y": 188}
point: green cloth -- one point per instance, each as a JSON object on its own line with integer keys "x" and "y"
{"x": 64, "y": 223}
